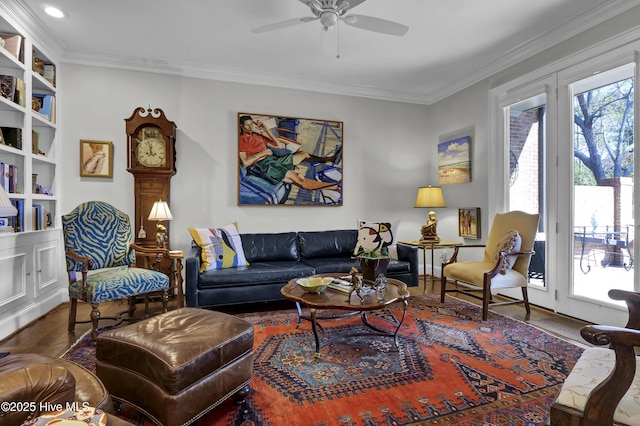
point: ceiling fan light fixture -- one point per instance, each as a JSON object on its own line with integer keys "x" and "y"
{"x": 328, "y": 20}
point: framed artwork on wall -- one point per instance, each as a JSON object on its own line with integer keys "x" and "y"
{"x": 469, "y": 222}
{"x": 454, "y": 161}
{"x": 96, "y": 159}
{"x": 289, "y": 160}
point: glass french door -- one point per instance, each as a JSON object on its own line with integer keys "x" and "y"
{"x": 527, "y": 129}
{"x": 596, "y": 136}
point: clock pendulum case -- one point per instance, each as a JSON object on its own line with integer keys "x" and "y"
{"x": 151, "y": 158}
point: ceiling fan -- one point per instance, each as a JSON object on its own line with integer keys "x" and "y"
{"x": 330, "y": 12}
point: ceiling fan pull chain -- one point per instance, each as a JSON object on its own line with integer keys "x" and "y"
{"x": 338, "y": 47}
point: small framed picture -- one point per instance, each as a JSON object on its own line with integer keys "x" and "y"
{"x": 469, "y": 222}
{"x": 96, "y": 159}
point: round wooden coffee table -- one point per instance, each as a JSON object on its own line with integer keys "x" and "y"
{"x": 334, "y": 299}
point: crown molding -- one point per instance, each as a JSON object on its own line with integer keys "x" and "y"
{"x": 538, "y": 44}
{"x": 531, "y": 47}
{"x": 235, "y": 75}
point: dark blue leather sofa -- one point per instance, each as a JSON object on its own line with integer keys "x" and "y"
{"x": 274, "y": 259}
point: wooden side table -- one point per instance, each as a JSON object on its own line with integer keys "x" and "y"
{"x": 430, "y": 245}
{"x": 175, "y": 277}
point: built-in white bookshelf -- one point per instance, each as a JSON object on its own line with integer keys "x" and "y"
{"x": 31, "y": 263}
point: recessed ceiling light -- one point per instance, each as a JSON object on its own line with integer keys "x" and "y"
{"x": 54, "y": 11}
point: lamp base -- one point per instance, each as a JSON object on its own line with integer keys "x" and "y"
{"x": 161, "y": 236}
{"x": 429, "y": 239}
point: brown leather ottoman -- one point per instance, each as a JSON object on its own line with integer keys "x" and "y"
{"x": 178, "y": 365}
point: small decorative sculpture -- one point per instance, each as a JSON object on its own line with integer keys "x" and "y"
{"x": 142, "y": 234}
{"x": 429, "y": 231}
{"x": 356, "y": 284}
{"x": 161, "y": 235}
{"x": 380, "y": 285}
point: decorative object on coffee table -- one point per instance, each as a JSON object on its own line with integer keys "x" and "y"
{"x": 430, "y": 197}
{"x": 373, "y": 262}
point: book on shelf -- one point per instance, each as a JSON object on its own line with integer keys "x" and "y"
{"x": 46, "y": 105}
{"x": 41, "y": 217}
{"x": 12, "y": 88}
{"x": 35, "y": 142}
{"x": 13, "y": 43}
{"x": 50, "y": 73}
{"x": 11, "y": 136}
{"x": 9, "y": 178}
{"x": 17, "y": 222}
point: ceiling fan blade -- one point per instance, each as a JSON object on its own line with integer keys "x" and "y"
{"x": 375, "y": 24}
{"x": 352, "y": 3}
{"x": 283, "y": 24}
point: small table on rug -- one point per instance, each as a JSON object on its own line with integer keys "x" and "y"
{"x": 334, "y": 299}
{"x": 430, "y": 245}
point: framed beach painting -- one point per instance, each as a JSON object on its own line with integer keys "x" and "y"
{"x": 286, "y": 161}
{"x": 469, "y": 222}
{"x": 96, "y": 159}
{"x": 454, "y": 161}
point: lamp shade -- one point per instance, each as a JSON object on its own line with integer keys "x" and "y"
{"x": 6, "y": 208}
{"x": 430, "y": 197}
{"x": 160, "y": 211}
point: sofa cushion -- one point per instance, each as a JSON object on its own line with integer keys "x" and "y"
{"x": 270, "y": 247}
{"x": 326, "y": 265}
{"x": 257, "y": 272}
{"x": 221, "y": 247}
{"x": 319, "y": 244}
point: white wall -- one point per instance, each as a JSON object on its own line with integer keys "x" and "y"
{"x": 389, "y": 150}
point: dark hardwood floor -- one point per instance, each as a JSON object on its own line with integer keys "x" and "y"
{"x": 48, "y": 335}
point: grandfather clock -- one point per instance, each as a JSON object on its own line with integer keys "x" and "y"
{"x": 151, "y": 158}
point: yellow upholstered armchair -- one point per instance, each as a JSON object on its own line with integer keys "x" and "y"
{"x": 505, "y": 262}
{"x": 603, "y": 388}
{"x": 100, "y": 254}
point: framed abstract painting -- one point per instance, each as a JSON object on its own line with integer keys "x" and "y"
{"x": 289, "y": 161}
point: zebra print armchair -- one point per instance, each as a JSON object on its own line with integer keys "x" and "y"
{"x": 100, "y": 255}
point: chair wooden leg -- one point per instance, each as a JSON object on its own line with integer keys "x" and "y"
{"x": 165, "y": 299}
{"x": 443, "y": 286}
{"x": 73, "y": 307}
{"x": 525, "y": 297}
{"x": 486, "y": 297}
{"x": 132, "y": 306}
{"x": 95, "y": 317}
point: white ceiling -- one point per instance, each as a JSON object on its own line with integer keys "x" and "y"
{"x": 450, "y": 44}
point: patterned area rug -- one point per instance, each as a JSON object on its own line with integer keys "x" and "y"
{"x": 451, "y": 368}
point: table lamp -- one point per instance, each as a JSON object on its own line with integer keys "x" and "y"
{"x": 160, "y": 212}
{"x": 6, "y": 208}
{"x": 430, "y": 197}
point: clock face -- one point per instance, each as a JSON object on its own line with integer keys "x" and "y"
{"x": 151, "y": 150}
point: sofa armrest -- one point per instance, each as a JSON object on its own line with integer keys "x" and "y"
{"x": 409, "y": 254}
{"x": 192, "y": 274}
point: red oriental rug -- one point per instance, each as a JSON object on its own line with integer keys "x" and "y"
{"x": 451, "y": 368}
